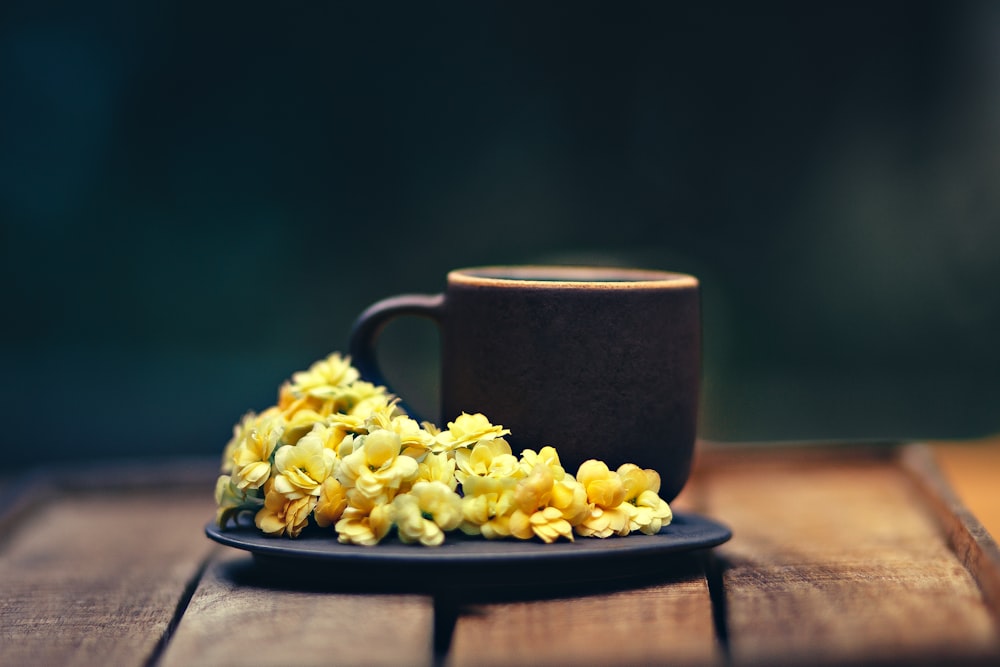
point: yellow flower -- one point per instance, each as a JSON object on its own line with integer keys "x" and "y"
{"x": 324, "y": 377}
{"x": 466, "y": 430}
{"x": 347, "y": 445}
{"x": 282, "y": 515}
{"x": 375, "y": 465}
{"x": 331, "y": 504}
{"x": 228, "y": 500}
{"x": 546, "y": 507}
{"x": 379, "y": 413}
{"x": 604, "y": 487}
{"x": 570, "y": 498}
{"x": 362, "y": 399}
{"x": 547, "y": 455}
{"x": 286, "y": 399}
{"x": 300, "y": 423}
{"x": 642, "y": 489}
{"x": 487, "y": 458}
{"x": 426, "y": 512}
{"x": 330, "y": 433}
{"x": 239, "y": 433}
{"x": 413, "y": 439}
{"x": 534, "y": 491}
{"x": 609, "y": 514}
{"x": 365, "y": 521}
{"x": 330, "y": 386}
{"x": 303, "y": 468}
{"x": 487, "y": 505}
{"x": 438, "y": 468}
{"x": 252, "y": 458}
{"x": 547, "y": 524}
{"x": 345, "y": 425}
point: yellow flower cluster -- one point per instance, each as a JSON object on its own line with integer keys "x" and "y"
{"x": 338, "y": 451}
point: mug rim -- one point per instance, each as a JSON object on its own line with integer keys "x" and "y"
{"x": 570, "y": 277}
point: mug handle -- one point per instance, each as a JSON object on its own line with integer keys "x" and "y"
{"x": 370, "y": 323}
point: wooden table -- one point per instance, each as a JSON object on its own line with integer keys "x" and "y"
{"x": 841, "y": 555}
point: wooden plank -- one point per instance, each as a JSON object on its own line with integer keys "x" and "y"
{"x": 236, "y": 618}
{"x": 835, "y": 559}
{"x": 91, "y": 579}
{"x": 972, "y": 543}
{"x": 669, "y": 621}
{"x": 26, "y": 493}
{"x": 971, "y": 468}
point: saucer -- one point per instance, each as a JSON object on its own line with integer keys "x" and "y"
{"x": 475, "y": 561}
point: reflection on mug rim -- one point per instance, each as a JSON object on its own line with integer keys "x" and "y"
{"x": 605, "y": 277}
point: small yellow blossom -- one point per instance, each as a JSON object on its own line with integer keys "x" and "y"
{"x": 431, "y": 428}
{"x": 642, "y": 488}
{"x": 534, "y": 491}
{"x": 426, "y": 512}
{"x": 286, "y": 398}
{"x": 362, "y": 399}
{"x": 300, "y": 423}
{"x": 547, "y": 524}
{"x": 331, "y": 386}
{"x": 303, "y": 468}
{"x": 376, "y": 465}
{"x": 345, "y": 425}
{"x": 365, "y": 521}
{"x": 547, "y": 455}
{"x": 570, "y": 498}
{"x": 290, "y": 404}
{"x": 375, "y": 412}
{"x": 282, "y": 515}
{"x": 487, "y": 505}
{"x": 252, "y": 458}
{"x": 466, "y": 430}
{"x": 324, "y": 377}
{"x": 239, "y": 433}
{"x": 603, "y": 486}
{"x": 346, "y": 446}
{"x": 487, "y": 458}
{"x": 228, "y": 499}
{"x": 547, "y": 508}
{"x": 413, "y": 439}
{"x": 330, "y": 433}
{"x": 331, "y": 504}
{"x": 609, "y": 513}
{"x": 438, "y": 468}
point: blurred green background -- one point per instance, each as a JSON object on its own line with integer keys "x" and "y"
{"x": 196, "y": 200}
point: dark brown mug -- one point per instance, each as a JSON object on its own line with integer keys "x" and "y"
{"x": 598, "y": 362}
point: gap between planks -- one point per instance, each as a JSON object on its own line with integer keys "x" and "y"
{"x": 93, "y": 580}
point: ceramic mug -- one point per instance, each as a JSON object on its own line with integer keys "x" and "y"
{"x": 598, "y": 362}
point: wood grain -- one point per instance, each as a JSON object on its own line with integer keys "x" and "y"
{"x": 840, "y": 555}
{"x": 236, "y": 618}
{"x": 835, "y": 560}
{"x": 669, "y": 622}
{"x": 972, "y": 544}
{"x": 96, "y": 579}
